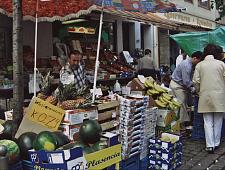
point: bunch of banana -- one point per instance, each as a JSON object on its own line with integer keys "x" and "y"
{"x": 172, "y": 106}
{"x": 159, "y": 88}
{"x": 148, "y": 84}
{"x": 167, "y": 96}
{"x": 151, "y": 92}
{"x": 178, "y": 104}
{"x": 160, "y": 104}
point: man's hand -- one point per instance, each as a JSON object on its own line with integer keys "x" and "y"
{"x": 193, "y": 90}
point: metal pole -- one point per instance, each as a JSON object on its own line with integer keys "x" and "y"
{"x": 98, "y": 50}
{"x": 35, "y": 47}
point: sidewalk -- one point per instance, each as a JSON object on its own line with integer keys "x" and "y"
{"x": 196, "y": 158}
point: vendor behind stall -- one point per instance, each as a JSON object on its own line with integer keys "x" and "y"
{"x": 73, "y": 71}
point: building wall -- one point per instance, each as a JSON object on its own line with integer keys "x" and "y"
{"x": 196, "y": 10}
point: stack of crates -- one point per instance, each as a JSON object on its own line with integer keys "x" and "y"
{"x": 132, "y": 124}
{"x": 167, "y": 154}
{"x": 198, "y": 123}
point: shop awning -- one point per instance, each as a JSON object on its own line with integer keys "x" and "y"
{"x": 142, "y": 17}
{"x": 62, "y": 10}
{"x": 196, "y": 41}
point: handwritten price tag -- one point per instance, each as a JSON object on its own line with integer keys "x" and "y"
{"x": 44, "y": 113}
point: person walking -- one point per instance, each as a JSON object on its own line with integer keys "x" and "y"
{"x": 209, "y": 81}
{"x": 181, "y": 84}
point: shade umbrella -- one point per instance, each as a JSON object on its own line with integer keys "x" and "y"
{"x": 62, "y": 10}
{"x": 196, "y": 41}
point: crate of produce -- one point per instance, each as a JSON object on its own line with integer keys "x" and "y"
{"x": 143, "y": 164}
{"x": 131, "y": 163}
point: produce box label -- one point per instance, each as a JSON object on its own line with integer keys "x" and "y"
{"x": 44, "y": 113}
{"x": 104, "y": 158}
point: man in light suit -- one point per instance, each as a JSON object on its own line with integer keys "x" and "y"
{"x": 209, "y": 81}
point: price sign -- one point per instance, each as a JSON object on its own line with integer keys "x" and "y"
{"x": 44, "y": 113}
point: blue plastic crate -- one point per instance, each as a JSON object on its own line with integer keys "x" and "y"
{"x": 17, "y": 166}
{"x": 144, "y": 164}
{"x": 198, "y": 119}
{"x": 131, "y": 163}
{"x": 198, "y": 132}
{"x": 27, "y": 165}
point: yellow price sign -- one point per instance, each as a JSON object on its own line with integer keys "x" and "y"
{"x": 44, "y": 113}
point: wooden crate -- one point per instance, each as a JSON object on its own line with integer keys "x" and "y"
{"x": 108, "y": 115}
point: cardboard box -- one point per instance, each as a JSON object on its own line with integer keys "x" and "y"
{"x": 136, "y": 85}
{"x": 72, "y": 131}
{"x": 165, "y": 117}
{"x": 73, "y": 117}
{"x": 74, "y": 158}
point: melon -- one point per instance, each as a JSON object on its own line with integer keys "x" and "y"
{"x": 25, "y": 142}
{"x": 90, "y": 132}
{"x": 45, "y": 141}
{"x": 13, "y": 151}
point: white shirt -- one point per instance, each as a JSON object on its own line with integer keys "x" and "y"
{"x": 180, "y": 59}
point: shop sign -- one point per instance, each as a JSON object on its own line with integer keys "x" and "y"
{"x": 44, "y": 113}
{"x": 82, "y": 30}
{"x": 188, "y": 19}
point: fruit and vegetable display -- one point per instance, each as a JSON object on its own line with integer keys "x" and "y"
{"x": 113, "y": 63}
{"x": 65, "y": 96}
{"x": 162, "y": 99}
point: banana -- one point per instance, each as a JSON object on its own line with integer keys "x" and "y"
{"x": 160, "y": 104}
{"x": 167, "y": 96}
{"x": 148, "y": 84}
{"x": 178, "y": 104}
{"x": 152, "y": 91}
{"x": 158, "y": 88}
{"x": 163, "y": 100}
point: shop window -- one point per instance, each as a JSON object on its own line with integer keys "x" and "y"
{"x": 190, "y": 1}
{"x": 204, "y": 4}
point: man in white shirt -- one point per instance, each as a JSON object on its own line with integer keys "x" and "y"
{"x": 181, "y": 57}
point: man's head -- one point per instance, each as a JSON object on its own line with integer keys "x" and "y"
{"x": 147, "y": 51}
{"x": 214, "y": 50}
{"x": 74, "y": 59}
{"x": 196, "y": 57}
{"x": 183, "y": 54}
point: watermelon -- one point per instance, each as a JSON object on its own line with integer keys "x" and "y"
{"x": 90, "y": 132}
{"x": 87, "y": 150}
{"x": 3, "y": 150}
{"x": 13, "y": 151}
{"x": 100, "y": 145}
{"x": 61, "y": 138}
{"x": 25, "y": 142}
{"x": 72, "y": 145}
{"x": 45, "y": 141}
{"x": 9, "y": 126}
